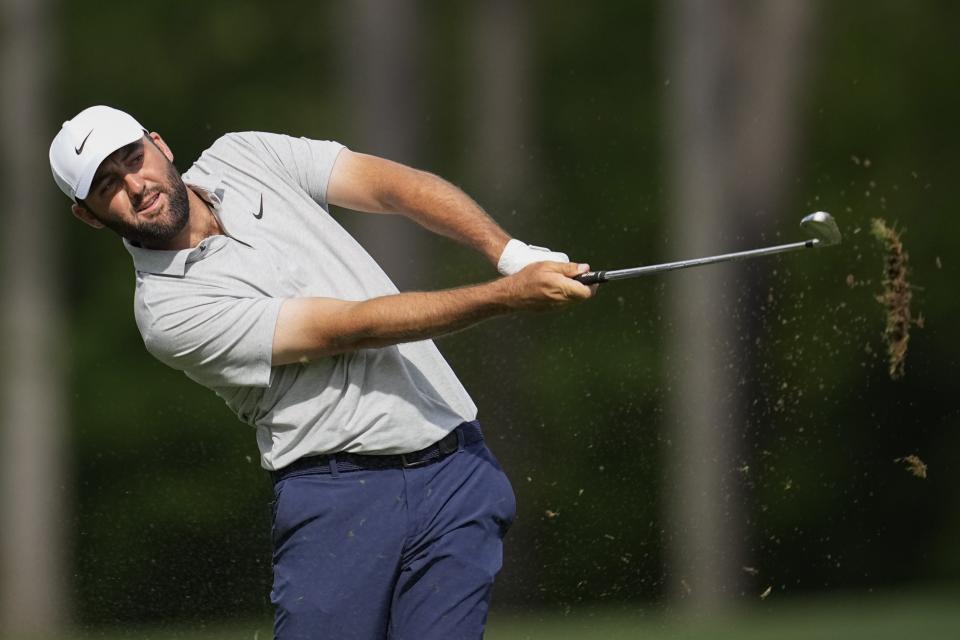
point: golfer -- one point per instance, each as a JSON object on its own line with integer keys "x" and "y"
{"x": 390, "y": 511}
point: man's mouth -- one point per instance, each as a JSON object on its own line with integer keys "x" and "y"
{"x": 149, "y": 204}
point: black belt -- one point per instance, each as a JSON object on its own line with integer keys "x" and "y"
{"x": 467, "y": 433}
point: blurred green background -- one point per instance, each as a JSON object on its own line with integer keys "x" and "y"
{"x": 568, "y": 121}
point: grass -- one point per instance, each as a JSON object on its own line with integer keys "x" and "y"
{"x": 873, "y": 616}
{"x": 869, "y": 616}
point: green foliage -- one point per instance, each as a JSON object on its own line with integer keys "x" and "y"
{"x": 930, "y": 614}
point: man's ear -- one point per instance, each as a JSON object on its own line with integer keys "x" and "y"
{"x": 157, "y": 140}
{"x": 84, "y": 214}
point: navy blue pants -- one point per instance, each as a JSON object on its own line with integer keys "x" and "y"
{"x": 390, "y": 553}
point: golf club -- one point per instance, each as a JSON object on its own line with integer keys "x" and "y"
{"x": 820, "y": 227}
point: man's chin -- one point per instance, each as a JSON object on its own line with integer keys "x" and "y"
{"x": 162, "y": 221}
{"x": 159, "y": 232}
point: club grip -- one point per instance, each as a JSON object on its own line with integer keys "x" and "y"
{"x": 591, "y": 277}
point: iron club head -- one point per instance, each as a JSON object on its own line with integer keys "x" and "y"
{"x": 821, "y": 227}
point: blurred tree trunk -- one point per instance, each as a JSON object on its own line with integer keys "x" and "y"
{"x": 500, "y": 101}
{"x": 383, "y": 73}
{"x": 735, "y": 68}
{"x": 498, "y": 112}
{"x": 32, "y": 576}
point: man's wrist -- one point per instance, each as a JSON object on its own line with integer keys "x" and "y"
{"x": 501, "y": 295}
{"x": 495, "y": 247}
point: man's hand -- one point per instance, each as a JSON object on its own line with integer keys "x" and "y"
{"x": 546, "y": 285}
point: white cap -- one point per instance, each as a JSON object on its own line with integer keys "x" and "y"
{"x": 86, "y": 141}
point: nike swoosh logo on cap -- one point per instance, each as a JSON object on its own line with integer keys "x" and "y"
{"x": 259, "y": 214}
{"x": 79, "y": 149}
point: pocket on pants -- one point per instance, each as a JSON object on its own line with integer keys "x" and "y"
{"x": 504, "y": 505}
{"x": 274, "y": 506}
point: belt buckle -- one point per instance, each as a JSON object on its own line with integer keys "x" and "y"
{"x": 411, "y": 463}
{"x": 448, "y": 444}
{"x": 442, "y": 448}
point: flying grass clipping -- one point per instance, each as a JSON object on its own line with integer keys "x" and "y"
{"x": 895, "y": 297}
{"x": 914, "y": 465}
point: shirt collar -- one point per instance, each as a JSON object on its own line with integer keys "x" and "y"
{"x": 164, "y": 263}
{"x": 174, "y": 263}
{"x": 208, "y": 186}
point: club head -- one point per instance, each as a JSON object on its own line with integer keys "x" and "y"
{"x": 821, "y": 227}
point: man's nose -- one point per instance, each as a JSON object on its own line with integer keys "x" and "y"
{"x": 133, "y": 184}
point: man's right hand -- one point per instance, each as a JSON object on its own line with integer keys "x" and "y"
{"x": 546, "y": 285}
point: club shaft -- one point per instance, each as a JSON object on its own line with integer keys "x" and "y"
{"x": 622, "y": 274}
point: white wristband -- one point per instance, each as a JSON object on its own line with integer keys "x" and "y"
{"x": 516, "y": 255}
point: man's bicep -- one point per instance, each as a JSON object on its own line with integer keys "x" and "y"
{"x": 309, "y": 328}
{"x": 364, "y": 183}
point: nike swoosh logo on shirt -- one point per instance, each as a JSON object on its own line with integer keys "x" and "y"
{"x": 259, "y": 214}
{"x": 79, "y": 149}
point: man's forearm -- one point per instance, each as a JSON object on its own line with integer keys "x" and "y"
{"x": 413, "y": 316}
{"x": 310, "y": 328}
{"x": 367, "y": 183}
{"x": 445, "y": 209}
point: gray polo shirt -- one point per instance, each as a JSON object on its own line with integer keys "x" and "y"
{"x": 211, "y": 311}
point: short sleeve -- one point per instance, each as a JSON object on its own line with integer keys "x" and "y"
{"x": 307, "y": 163}
{"x": 216, "y": 340}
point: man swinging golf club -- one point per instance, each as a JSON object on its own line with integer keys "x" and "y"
{"x": 390, "y": 511}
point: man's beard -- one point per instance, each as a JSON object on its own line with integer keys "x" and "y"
{"x": 160, "y": 229}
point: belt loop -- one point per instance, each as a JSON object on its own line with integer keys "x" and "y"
{"x": 460, "y": 438}
{"x": 334, "y": 471}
